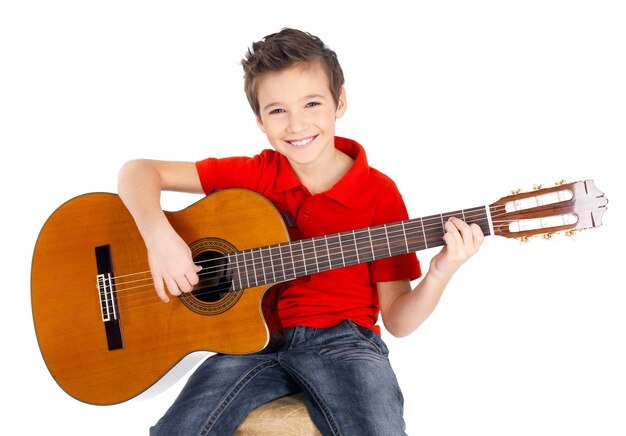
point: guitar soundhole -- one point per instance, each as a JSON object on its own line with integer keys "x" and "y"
{"x": 213, "y": 294}
{"x": 215, "y": 279}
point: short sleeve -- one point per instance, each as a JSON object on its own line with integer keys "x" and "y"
{"x": 232, "y": 172}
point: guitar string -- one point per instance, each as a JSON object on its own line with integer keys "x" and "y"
{"x": 155, "y": 301}
{"x": 494, "y": 209}
{"x": 151, "y": 291}
{"x": 336, "y": 236}
{"x": 246, "y": 264}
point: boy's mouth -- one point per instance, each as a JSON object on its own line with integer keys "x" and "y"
{"x": 301, "y": 142}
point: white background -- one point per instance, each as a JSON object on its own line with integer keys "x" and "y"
{"x": 458, "y": 101}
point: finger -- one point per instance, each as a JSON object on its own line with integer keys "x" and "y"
{"x": 184, "y": 285}
{"x": 477, "y": 234}
{"x": 160, "y": 288}
{"x": 452, "y": 236}
{"x": 192, "y": 278}
{"x": 172, "y": 287}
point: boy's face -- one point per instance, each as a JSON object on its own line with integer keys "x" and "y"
{"x": 298, "y": 113}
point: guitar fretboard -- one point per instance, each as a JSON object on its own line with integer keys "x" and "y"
{"x": 289, "y": 260}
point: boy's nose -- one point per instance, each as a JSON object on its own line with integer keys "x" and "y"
{"x": 297, "y": 123}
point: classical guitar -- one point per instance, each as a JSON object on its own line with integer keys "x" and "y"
{"x": 106, "y": 337}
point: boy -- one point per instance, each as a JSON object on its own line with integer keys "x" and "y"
{"x": 332, "y": 350}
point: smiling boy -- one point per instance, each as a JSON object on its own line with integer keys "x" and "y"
{"x": 331, "y": 349}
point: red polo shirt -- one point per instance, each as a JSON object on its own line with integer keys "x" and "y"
{"x": 363, "y": 197}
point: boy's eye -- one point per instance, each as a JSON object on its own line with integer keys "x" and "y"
{"x": 276, "y": 111}
{"x": 313, "y": 103}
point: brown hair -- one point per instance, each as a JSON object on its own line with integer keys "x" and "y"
{"x": 282, "y": 50}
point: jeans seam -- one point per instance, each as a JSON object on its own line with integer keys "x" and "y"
{"x": 217, "y": 412}
{"x": 313, "y": 392}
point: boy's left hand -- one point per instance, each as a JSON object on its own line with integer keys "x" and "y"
{"x": 462, "y": 242}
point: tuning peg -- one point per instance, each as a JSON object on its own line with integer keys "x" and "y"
{"x": 537, "y": 187}
{"x": 547, "y": 236}
{"x": 560, "y": 182}
{"x": 523, "y": 239}
{"x": 570, "y": 233}
{"x": 516, "y": 191}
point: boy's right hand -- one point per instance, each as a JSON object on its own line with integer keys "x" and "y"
{"x": 171, "y": 265}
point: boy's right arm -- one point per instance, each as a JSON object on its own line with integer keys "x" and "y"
{"x": 140, "y": 183}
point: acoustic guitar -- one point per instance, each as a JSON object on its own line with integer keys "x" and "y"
{"x": 106, "y": 337}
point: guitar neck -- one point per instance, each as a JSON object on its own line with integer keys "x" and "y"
{"x": 289, "y": 260}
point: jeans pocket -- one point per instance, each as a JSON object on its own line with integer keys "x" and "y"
{"x": 368, "y": 336}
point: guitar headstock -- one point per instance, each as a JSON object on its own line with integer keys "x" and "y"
{"x": 566, "y": 207}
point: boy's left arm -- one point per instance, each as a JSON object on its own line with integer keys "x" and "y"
{"x": 403, "y": 309}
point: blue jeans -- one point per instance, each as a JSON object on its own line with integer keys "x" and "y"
{"x": 348, "y": 384}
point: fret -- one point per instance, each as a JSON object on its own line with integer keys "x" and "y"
{"x": 387, "y": 238}
{"x": 256, "y": 280}
{"x": 317, "y": 267}
{"x": 364, "y": 248}
{"x": 348, "y": 248}
{"x": 263, "y": 263}
{"x": 245, "y": 268}
{"x": 433, "y": 229}
{"x": 322, "y": 256}
{"x": 299, "y": 268}
{"x": 293, "y": 266}
{"x": 369, "y": 234}
{"x": 328, "y": 252}
{"x": 356, "y": 246}
{"x": 271, "y": 255}
{"x": 307, "y": 250}
{"x": 396, "y": 239}
{"x": 282, "y": 264}
{"x": 335, "y": 254}
{"x": 415, "y": 235}
{"x": 378, "y": 241}
{"x": 406, "y": 242}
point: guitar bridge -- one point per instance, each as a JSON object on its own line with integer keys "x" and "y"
{"x": 105, "y": 283}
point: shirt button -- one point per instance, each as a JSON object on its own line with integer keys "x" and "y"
{"x": 306, "y": 213}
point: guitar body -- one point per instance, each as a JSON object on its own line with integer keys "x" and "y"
{"x": 109, "y": 362}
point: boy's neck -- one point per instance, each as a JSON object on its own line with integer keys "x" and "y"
{"x": 322, "y": 176}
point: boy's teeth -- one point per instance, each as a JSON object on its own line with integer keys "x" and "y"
{"x": 301, "y": 142}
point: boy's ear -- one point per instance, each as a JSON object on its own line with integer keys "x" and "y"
{"x": 259, "y": 123}
{"x": 342, "y": 103}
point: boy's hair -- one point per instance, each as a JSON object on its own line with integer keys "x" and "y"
{"x": 282, "y": 50}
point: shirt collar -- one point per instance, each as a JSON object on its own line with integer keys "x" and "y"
{"x": 346, "y": 190}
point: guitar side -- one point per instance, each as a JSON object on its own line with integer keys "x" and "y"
{"x": 109, "y": 362}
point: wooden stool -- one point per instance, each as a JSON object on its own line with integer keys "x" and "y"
{"x": 283, "y": 416}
